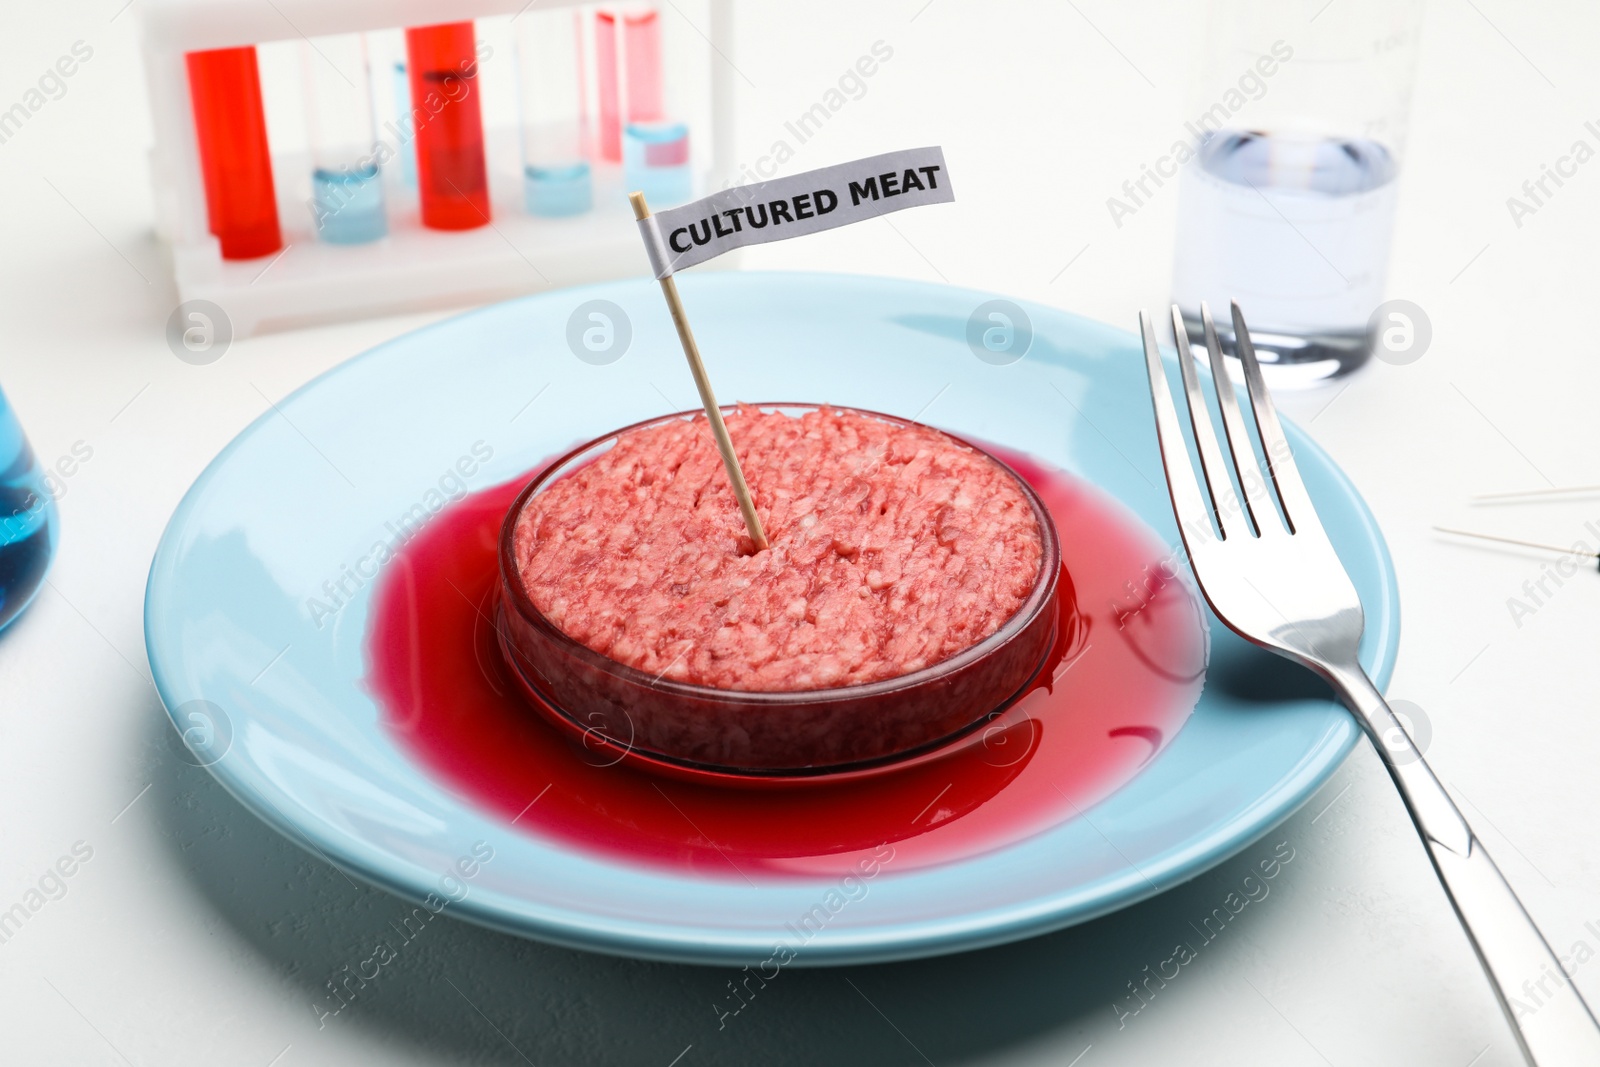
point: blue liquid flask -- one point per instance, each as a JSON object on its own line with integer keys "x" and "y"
{"x": 28, "y": 519}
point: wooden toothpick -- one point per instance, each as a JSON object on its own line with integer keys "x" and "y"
{"x": 719, "y": 429}
{"x": 1524, "y": 544}
{"x": 1486, "y": 498}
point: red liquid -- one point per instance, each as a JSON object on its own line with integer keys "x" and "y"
{"x": 235, "y": 163}
{"x": 452, "y": 178}
{"x": 642, "y": 39}
{"x": 608, "y": 84}
{"x": 641, "y": 52}
{"x": 1129, "y": 670}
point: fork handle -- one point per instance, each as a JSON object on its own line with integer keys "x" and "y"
{"x": 1552, "y": 1024}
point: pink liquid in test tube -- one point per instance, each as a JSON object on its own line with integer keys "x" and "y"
{"x": 642, "y": 47}
{"x": 629, "y": 91}
{"x": 605, "y": 67}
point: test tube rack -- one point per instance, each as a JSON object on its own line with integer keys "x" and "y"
{"x": 309, "y": 281}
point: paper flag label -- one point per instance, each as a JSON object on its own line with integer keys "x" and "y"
{"x": 775, "y": 210}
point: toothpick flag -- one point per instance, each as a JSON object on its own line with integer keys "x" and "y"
{"x": 772, "y": 211}
{"x": 775, "y": 210}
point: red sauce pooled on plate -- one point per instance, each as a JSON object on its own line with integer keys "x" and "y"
{"x": 1126, "y": 673}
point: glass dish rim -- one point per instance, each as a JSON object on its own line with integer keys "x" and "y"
{"x": 515, "y": 598}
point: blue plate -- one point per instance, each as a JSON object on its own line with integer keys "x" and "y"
{"x": 269, "y": 687}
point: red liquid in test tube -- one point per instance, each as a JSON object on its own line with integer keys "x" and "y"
{"x": 633, "y": 94}
{"x": 235, "y": 163}
{"x": 452, "y": 179}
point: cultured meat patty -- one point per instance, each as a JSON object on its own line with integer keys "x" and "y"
{"x": 892, "y": 548}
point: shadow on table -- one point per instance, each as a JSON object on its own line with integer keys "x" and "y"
{"x": 474, "y": 995}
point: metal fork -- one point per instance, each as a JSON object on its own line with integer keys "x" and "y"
{"x": 1269, "y": 572}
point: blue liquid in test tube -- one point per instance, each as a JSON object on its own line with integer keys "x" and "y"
{"x": 408, "y": 133}
{"x": 556, "y": 178}
{"x": 655, "y": 161}
{"x": 27, "y": 519}
{"x": 346, "y": 183}
{"x": 348, "y": 204}
{"x": 558, "y": 190}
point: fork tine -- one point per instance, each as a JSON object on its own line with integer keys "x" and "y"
{"x": 1189, "y": 504}
{"x": 1213, "y": 467}
{"x": 1251, "y": 482}
{"x": 1292, "y": 494}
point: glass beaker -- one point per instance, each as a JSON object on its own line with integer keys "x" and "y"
{"x": 1295, "y": 136}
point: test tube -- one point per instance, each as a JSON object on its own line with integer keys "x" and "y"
{"x": 452, "y": 179}
{"x": 405, "y": 129}
{"x": 641, "y": 36}
{"x": 627, "y": 74}
{"x": 655, "y": 161}
{"x": 655, "y": 150}
{"x": 608, "y": 88}
{"x": 235, "y": 162}
{"x": 346, "y": 183}
{"x": 556, "y": 173}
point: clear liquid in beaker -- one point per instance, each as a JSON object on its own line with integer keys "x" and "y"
{"x": 1297, "y": 231}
